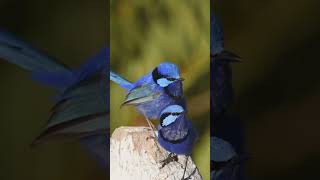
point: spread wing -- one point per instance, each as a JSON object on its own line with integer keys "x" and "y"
{"x": 141, "y": 94}
{"x": 81, "y": 110}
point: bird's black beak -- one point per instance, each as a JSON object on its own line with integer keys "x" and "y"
{"x": 180, "y": 79}
{"x": 227, "y": 56}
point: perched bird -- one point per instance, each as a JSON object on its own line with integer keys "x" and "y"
{"x": 81, "y": 107}
{"x": 154, "y": 91}
{"x": 221, "y": 81}
{"x": 225, "y": 123}
{"x": 175, "y": 131}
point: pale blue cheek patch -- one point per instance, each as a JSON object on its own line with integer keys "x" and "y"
{"x": 168, "y": 120}
{"x": 163, "y": 82}
{"x": 173, "y": 108}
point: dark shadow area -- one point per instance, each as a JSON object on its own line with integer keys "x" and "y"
{"x": 277, "y": 84}
{"x": 70, "y": 31}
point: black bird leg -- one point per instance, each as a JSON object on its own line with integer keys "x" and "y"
{"x": 171, "y": 158}
{"x": 193, "y": 172}
{"x": 185, "y": 168}
{"x": 151, "y": 126}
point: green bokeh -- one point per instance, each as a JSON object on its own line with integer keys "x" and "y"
{"x": 144, "y": 33}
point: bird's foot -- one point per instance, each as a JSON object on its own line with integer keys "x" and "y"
{"x": 189, "y": 177}
{"x": 171, "y": 158}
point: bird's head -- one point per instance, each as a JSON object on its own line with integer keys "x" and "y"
{"x": 217, "y": 51}
{"x": 165, "y": 74}
{"x": 216, "y": 36}
{"x": 170, "y": 114}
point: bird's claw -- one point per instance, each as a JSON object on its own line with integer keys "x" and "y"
{"x": 171, "y": 158}
{"x": 189, "y": 177}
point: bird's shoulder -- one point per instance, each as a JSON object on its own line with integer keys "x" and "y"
{"x": 144, "y": 80}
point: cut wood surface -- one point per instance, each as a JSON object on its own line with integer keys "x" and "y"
{"x": 136, "y": 155}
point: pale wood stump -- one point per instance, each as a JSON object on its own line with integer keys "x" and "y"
{"x": 136, "y": 155}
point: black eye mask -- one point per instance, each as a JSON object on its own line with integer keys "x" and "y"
{"x": 156, "y": 76}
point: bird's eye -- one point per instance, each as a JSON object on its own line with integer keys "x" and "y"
{"x": 176, "y": 114}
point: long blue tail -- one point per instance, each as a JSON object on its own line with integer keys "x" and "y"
{"x": 44, "y": 69}
{"x": 27, "y": 57}
{"x": 120, "y": 80}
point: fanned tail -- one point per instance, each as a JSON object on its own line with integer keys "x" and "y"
{"x": 120, "y": 80}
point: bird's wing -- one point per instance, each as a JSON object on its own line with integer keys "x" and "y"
{"x": 141, "y": 94}
{"x": 81, "y": 110}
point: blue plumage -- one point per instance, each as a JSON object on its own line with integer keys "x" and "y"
{"x": 221, "y": 81}
{"x": 82, "y": 104}
{"x": 175, "y": 131}
{"x": 154, "y": 91}
{"x": 225, "y": 163}
{"x": 216, "y": 36}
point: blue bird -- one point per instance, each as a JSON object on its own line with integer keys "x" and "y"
{"x": 175, "y": 132}
{"x": 81, "y": 107}
{"x": 221, "y": 87}
{"x": 225, "y": 123}
{"x": 153, "y": 91}
{"x": 225, "y": 162}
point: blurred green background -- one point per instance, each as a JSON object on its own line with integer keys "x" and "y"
{"x": 70, "y": 31}
{"x": 277, "y": 85}
{"x": 144, "y": 33}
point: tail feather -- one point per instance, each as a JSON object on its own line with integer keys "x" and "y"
{"x": 27, "y": 57}
{"x": 58, "y": 80}
{"x": 97, "y": 63}
{"x": 120, "y": 80}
